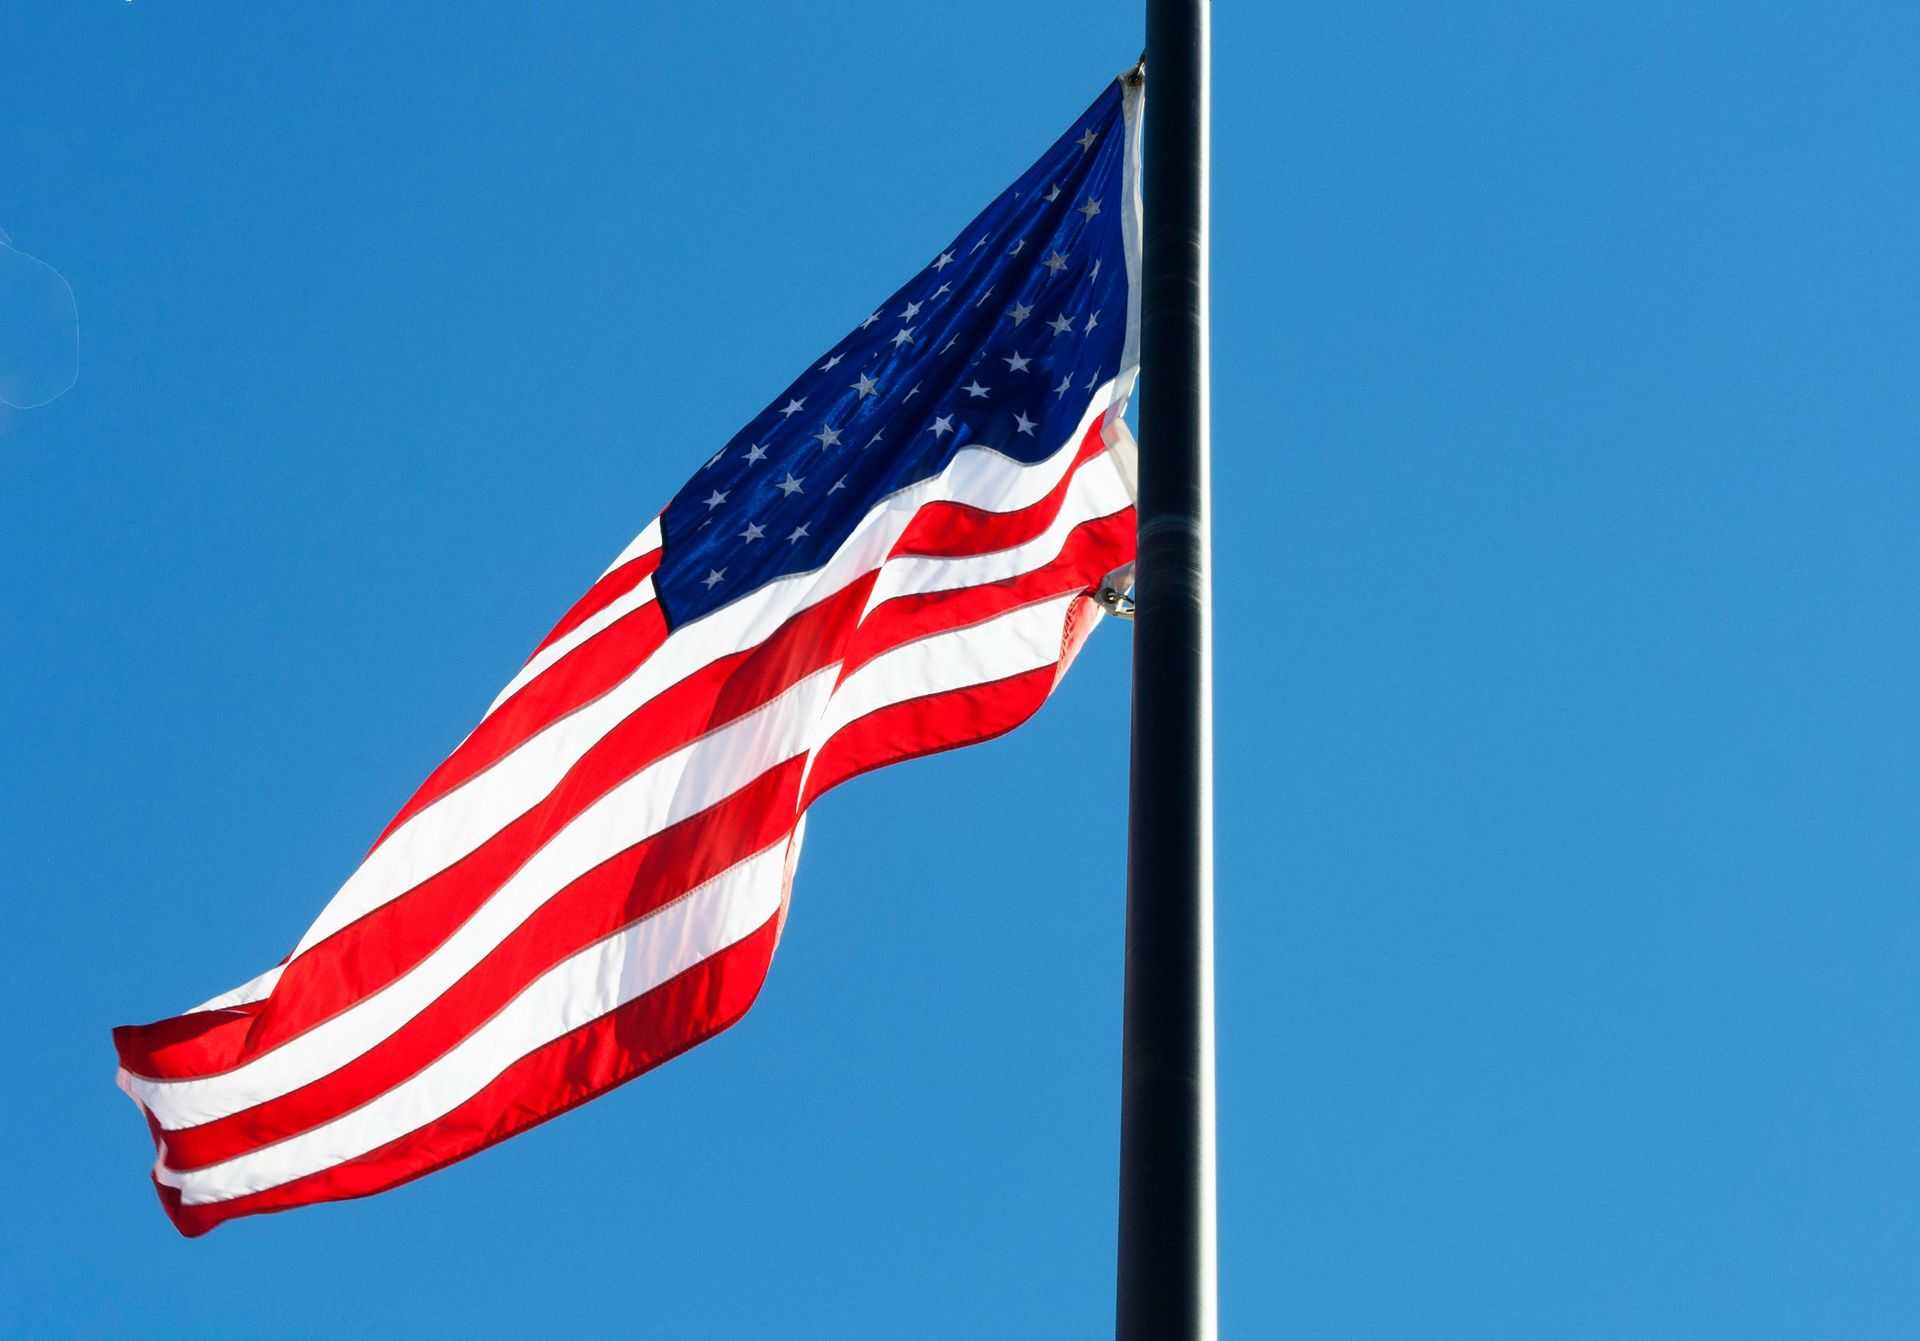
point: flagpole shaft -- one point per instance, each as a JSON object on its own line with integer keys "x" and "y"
{"x": 1167, "y": 1274}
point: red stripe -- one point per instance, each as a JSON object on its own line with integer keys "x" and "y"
{"x": 197, "y": 1043}
{"x": 949, "y": 529}
{"x": 601, "y": 903}
{"x": 610, "y": 588}
{"x": 927, "y": 725}
{"x": 545, "y": 1083}
{"x": 579, "y": 677}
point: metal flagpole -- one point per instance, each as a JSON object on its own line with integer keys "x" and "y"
{"x": 1167, "y": 1257}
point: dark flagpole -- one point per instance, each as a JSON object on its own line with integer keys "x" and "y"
{"x": 1167, "y": 1272}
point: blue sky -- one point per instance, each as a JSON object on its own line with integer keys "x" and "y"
{"x": 1565, "y": 426}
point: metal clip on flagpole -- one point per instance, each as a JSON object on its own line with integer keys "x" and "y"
{"x": 1116, "y": 592}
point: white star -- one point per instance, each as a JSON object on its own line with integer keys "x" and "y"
{"x": 1016, "y": 362}
{"x": 876, "y": 437}
{"x": 978, "y": 245}
{"x": 799, "y": 533}
{"x": 715, "y": 459}
{"x": 943, "y": 426}
{"x": 1053, "y": 195}
{"x": 1061, "y": 324}
{"x": 717, "y": 499}
{"x": 752, "y": 533}
{"x": 865, "y": 386}
{"x": 946, "y": 259}
{"x": 838, "y": 485}
{"x": 1087, "y": 141}
{"x": 756, "y": 453}
{"x": 1093, "y": 319}
{"x": 714, "y": 577}
{"x": 828, "y": 436}
{"x": 1017, "y": 247}
{"x": 1093, "y": 379}
{"x": 974, "y": 389}
{"x": 912, "y": 311}
{"x": 789, "y": 486}
{"x": 869, "y": 321}
{"x": 1020, "y": 313}
{"x": 1091, "y": 208}
{"x": 792, "y": 408}
{"x": 911, "y": 394}
{"x": 983, "y": 297}
{"x": 1066, "y": 385}
{"x": 1055, "y": 263}
{"x": 1096, "y": 271}
{"x": 1024, "y": 424}
{"x": 831, "y": 363}
{"x": 944, "y": 288}
{"x": 905, "y": 337}
{"x": 950, "y": 344}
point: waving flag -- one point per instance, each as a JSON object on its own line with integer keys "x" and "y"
{"x": 897, "y": 556}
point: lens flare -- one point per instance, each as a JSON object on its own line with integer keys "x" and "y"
{"x": 39, "y": 330}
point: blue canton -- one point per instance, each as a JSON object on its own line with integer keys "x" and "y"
{"x": 999, "y": 342}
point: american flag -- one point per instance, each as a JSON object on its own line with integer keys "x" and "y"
{"x": 899, "y": 554}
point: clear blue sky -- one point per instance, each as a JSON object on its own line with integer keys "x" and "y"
{"x": 1566, "y": 416}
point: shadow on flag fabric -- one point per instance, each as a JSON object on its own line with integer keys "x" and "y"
{"x": 898, "y": 555}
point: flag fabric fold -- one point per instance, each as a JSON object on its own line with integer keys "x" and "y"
{"x": 897, "y": 556}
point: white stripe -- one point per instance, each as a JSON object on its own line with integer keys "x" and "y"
{"x": 1097, "y": 491}
{"x": 1132, "y": 211}
{"x": 1008, "y": 644}
{"x": 458, "y": 822}
{"x": 675, "y": 788}
{"x": 575, "y": 992}
{"x": 642, "y": 594}
{"x": 645, "y": 543}
{"x": 257, "y": 988}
